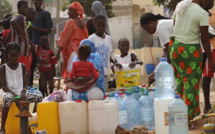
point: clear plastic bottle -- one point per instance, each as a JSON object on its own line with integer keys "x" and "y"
{"x": 164, "y": 80}
{"x": 131, "y": 104}
{"x": 136, "y": 94}
{"x": 178, "y": 121}
{"x": 145, "y": 111}
{"x": 152, "y": 93}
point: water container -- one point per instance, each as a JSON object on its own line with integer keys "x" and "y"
{"x": 127, "y": 77}
{"x": 48, "y": 117}
{"x": 73, "y": 117}
{"x": 164, "y": 80}
{"x": 103, "y": 116}
{"x": 149, "y": 68}
{"x": 136, "y": 93}
{"x": 145, "y": 111}
{"x": 37, "y": 92}
{"x": 208, "y": 129}
{"x": 161, "y": 115}
{"x": 110, "y": 96}
{"x": 12, "y": 125}
{"x": 131, "y": 104}
{"x": 33, "y": 123}
{"x": 178, "y": 119}
{"x": 152, "y": 94}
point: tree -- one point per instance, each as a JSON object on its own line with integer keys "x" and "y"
{"x": 5, "y": 9}
{"x": 170, "y": 3}
{"x": 87, "y": 4}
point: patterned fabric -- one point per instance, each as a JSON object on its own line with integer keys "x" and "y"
{"x": 70, "y": 39}
{"x": 78, "y": 8}
{"x": 186, "y": 60}
{"x": 96, "y": 59}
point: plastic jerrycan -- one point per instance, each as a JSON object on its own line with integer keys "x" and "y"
{"x": 127, "y": 77}
{"x": 73, "y": 117}
{"x": 33, "y": 123}
{"x": 12, "y": 125}
{"x": 48, "y": 118}
{"x": 103, "y": 116}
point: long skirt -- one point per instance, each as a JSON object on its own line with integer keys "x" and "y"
{"x": 186, "y": 60}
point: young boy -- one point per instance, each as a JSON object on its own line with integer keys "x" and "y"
{"x": 125, "y": 57}
{"x": 103, "y": 44}
{"x": 46, "y": 60}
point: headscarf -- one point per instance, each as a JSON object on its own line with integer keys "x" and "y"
{"x": 89, "y": 43}
{"x": 98, "y": 9}
{"x": 182, "y": 6}
{"x": 78, "y": 8}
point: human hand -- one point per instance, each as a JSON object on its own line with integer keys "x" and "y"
{"x": 17, "y": 101}
{"x": 132, "y": 65}
{"x": 118, "y": 65}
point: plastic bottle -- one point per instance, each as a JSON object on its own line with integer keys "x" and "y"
{"x": 37, "y": 92}
{"x": 131, "y": 104}
{"x": 145, "y": 111}
{"x": 152, "y": 94}
{"x": 164, "y": 79}
{"x": 136, "y": 93}
{"x": 110, "y": 97}
{"x": 178, "y": 121}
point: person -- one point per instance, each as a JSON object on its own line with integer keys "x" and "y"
{"x": 47, "y": 61}
{"x": 103, "y": 45}
{"x": 185, "y": 50}
{"x": 81, "y": 71}
{"x": 126, "y": 58}
{"x": 207, "y": 75}
{"x": 30, "y": 19}
{"x": 13, "y": 82}
{"x": 42, "y": 25}
{"x": 97, "y": 8}
{"x": 74, "y": 32}
{"x": 97, "y": 91}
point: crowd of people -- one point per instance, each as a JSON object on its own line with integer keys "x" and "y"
{"x": 87, "y": 48}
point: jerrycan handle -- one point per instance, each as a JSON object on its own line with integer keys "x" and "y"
{"x": 160, "y": 56}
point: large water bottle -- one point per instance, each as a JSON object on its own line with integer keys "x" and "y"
{"x": 145, "y": 111}
{"x": 131, "y": 104}
{"x": 152, "y": 93}
{"x": 178, "y": 117}
{"x": 136, "y": 93}
{"x": 164, "y": 80}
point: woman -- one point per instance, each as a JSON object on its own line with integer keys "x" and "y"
{"x": 97, "y": 91}
{"x": 97, "y": 8}
{"x": 191, "y": 26}
{"x": 74, "y": 32}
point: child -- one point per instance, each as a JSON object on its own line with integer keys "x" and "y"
{"x": 126, "y": 58}
{"x": 6, "y": 31}
{"x": 13, "y": 80}
{"x": 47, "y": 61}
{"x": 81, "y": 70}
{"x": 103, "y": 44}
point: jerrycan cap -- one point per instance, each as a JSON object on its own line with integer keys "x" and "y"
{"x": 145, "y": 93}
{"x": 177, "y": 96}
{"x": 128, "y": 93}
{"x": 78, "y": 100}
{"x": 163, "y": 59}
{"x": 116, "y": 95}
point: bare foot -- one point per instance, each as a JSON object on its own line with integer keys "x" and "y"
{"x": 2, "y": 132}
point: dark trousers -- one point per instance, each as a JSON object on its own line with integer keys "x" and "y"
{"x": 33, "y": 66}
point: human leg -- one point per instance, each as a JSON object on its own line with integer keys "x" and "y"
{"x": 43, "y": 84}
{"x": 33, "y": 66}
{"x": 206, "y": 82}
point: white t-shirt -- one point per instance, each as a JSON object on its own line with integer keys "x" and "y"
{"x": 124, "y": 60}
{"x": 164, "y": 31}
{"x": 104, "y": 48}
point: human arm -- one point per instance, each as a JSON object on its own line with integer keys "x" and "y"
{"x": 135, "y": 61}
{"x": 58, "y": 53}
{"x": 42, "y": 30}
{"x": 23, "y": 92}
{"x": 52, "y": 58}
{"x": 118, "y": 65}
{"x": 14, "y": 23}
{"x": 72, "y": 73}
{"x": 5, "y": 21}
{"x": 7, "y": 38}
{"x": 94, "y": 71}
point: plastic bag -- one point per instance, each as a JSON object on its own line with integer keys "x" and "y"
{"x": 57, "y": 96}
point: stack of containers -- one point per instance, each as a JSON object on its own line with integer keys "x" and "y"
{"x": 165, "y": 92}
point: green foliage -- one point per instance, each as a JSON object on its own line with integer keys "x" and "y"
{"x": 87, "y": 4}
{"x": 170, "y": 3}
{"x": 5, "y": 8}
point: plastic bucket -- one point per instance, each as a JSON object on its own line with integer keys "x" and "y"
{"x": 149, "y": 68}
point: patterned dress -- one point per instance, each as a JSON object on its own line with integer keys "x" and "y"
{"x": 70, "y": 39}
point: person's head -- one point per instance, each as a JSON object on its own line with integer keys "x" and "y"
{"x": 83, "y": 52}
{"x": 100, "y": 24}
{"x": 22, "y": 7}
{"x": 149, "y": 21}
{"x": 12, "y": 52}
{"x": 31, "y": 14}
{"x": 75, "y": 10}
{"x": 210, "y": 5}
{"x": 202, "y": 3}
{"x": 89, "y": 43}
{"x": 98, "y": 8}
{"x": 44, "y": 41}
{"x": 7, "y": 26}
{"x": 38, "y": 3}
{"x": 123, "y": 45}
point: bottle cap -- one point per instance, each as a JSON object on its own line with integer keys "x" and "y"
{"x": 128, "y": 93}
{"x": 116, "y": 95}
{"x": 136, "y": 90}
{"x": 78, "y": 100}
{"x": 110, "y": 95}
{"x": 145, "y": 93}
{"x": 177, "y": 96}
{"x": 163, "y": 59}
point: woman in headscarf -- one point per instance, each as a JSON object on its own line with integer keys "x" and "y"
{"x": 97, "y": 91}
{"x": 97, "y": 9}
{"x": 191, "y": 26}
{"x": 74, "y": 32}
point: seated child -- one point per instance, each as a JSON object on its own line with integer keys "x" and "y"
{"x": 46, "y": 61}
{"x": 13, "y": 81}
{"x": 81, "y": 71}
{"x": 125, "y": 57}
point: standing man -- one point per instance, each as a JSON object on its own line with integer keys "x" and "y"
{"x": 41, "y": 26}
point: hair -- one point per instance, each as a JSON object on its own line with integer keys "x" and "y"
{"x": 84, "y": 52}
{"x": 7, "y": 26}
{"x": 123, "y": 39}
{"x": 147, "y": 17}
{"x": 11, "y": 46}
{"x": 100, "y": 17}
{"x": 21, "y": 3}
